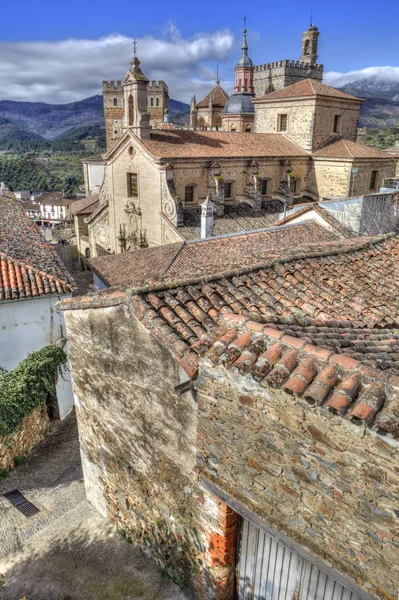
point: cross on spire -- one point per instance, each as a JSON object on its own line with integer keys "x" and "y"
{"x": 134, "y": 47}
{"x": 245, "y": 22}
{"x": 217, "y": 75}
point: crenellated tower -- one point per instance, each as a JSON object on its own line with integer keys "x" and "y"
{"x": 113, "y": 111}
{"x": 158, "y": 102}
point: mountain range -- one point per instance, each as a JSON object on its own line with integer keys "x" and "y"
{"x": 21, "y": 121}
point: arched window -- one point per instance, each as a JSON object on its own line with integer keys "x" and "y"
{"x": 201, "y": 123}
{"x": 306, "y": 48}
{"x": 87, "y": 253}
{"x": 157, "y": 101}
{"x": 233, "y": 129}
{"x": 115, "y": 101}
{"x": 152, "y": 101}
{"x": 131, "y": 110}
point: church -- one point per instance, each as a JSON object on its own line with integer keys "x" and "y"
{"x": 284, "y": 137}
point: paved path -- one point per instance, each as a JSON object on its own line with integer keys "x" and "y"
{"x": 68, "y": 551}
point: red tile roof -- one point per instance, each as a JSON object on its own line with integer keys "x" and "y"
{"x": 56, "y": 199}
{"x": 24, "y": 247}
{"x": 347, "y": 149}
{"x": 205, "y": 257}
{"x": 338, "y": 227}
{"x": 306, "y": 87}
{"x": 85, "y": 206}
{"x": 325, "y": 380}
{"x": 219, "y": 144}
{"x": 18, "y": 280}
{"x": 219, "y": 97}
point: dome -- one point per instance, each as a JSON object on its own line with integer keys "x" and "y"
{"x": 244, "y": 61}
{"x": 240, "y": 103}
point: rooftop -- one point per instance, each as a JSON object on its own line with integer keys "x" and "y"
{"x": 307, "y": 87}
{"x": 322, "y": 212}
{"x": 219, "y": 144}
{"x": 85, "y": 206}
{"x": 22, "y": 244}
{"x": 347, "y": 149}
{"x": 56, "y": 199}
{"x": 204, "y": 257}
{"x": 218, "y": 95}
{"x": 237, "y": 217}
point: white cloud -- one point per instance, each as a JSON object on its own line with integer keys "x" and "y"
{"x": 337, "y": 79}
{"x": 73, "y": 69}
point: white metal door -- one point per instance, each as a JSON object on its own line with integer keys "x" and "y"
{"x": 269, "y": 570}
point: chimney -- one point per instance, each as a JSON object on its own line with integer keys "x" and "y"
{"x": 207, "y": 216}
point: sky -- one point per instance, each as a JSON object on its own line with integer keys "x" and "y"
{"x": 59, "y": 51}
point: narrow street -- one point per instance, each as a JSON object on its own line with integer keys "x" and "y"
{"x": 67, "y": 550}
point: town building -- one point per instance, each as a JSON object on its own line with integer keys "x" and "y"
{"x": 49, "y": 208}
{"x": 241, "y": 423}
{"x": 207, "y": 114}
{"x": 32, "y": 281}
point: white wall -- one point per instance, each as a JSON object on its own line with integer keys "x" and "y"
{"x": 29, "y": 325}
{"x": 95, "y": 175}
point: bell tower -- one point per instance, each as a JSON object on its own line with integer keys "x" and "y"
{"x": 136, "y": 116}
{"x": 244, "y": 68}
{"x": 310, "y": 40}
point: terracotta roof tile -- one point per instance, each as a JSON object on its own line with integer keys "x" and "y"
{"x": 219, "y": 97}
{"x": 324, "y": 214}
{"x": 219, "y": 144}
{"x": 204, "y": 257}
{"x": 307, "y": 87}
{"x": 85, "y": 206}
{"x": 347, "y": 149}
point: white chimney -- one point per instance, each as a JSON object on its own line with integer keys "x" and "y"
{"x": 207, "y": 216}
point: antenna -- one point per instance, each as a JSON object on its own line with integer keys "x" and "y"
{"x": 311, "y": 16}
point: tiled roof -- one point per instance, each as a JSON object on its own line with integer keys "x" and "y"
{"x": 307, "y": 87}
{"x": 21, "y": 241}
{"x": 219, "y": 144}
{"x": 85, "y": 206}
{"x": 219, "y": 97}
{"x": 338, "y": 227}
{"x": 204, "y": 257}
{"x": 237, "y": 217}
{"x": 56, "y": 199}
{"x": 18, "y": 280}
{"x": 326, "y": 381}
{"x": 347, "y": 149}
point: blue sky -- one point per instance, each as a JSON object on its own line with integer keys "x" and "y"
{"x": 354, "y": 36}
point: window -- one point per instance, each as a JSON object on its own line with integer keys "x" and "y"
{"x": 373, "y": 180}
{"x": 152, "y": 101}
{"x": 264, "y": 187}
{"x": 52, "y": 209}
{"x": 282, "y": 122}
{"x": 189, "y": 193}
{"x": 337, "y": 123}
{"x": 115, "y": 101}
{"x": 228, "y": 189}
{"x": 131, "y": 111}
{"x": 157, "y": 101}
{"x": 247, "y": 130}
{"x": 87, "y": 252}
{"x": 233, "y": 129}
{"x": 306, "y": 48}
{"x": 132, "y": 187}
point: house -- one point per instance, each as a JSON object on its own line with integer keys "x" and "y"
{"x": 55, "y": 207}
{"x": 241, "y": 424}
{"x": 32, "y": 280}
{"x": 80, "y": 211}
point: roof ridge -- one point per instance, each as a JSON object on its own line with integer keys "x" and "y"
{"x": 30, "y": 267}
{"x": 343, "y": 249}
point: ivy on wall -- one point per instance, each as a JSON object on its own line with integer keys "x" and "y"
{"x": 24, "y": 388}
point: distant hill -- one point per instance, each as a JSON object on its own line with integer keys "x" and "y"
{"x": 381, "y": 108}
{"x": 13, "y": 132}
{"x": 48, "y": 121}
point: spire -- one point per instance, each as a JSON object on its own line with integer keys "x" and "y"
{"x": 244, "y": 61}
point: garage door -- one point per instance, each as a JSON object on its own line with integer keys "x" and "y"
{"x": 269, "y": 570}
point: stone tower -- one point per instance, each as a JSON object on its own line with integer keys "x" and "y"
{"x": 113, "y": 111}
{"x": 136, "y": 117}
{"x": 310, "y": 41}
{"x": 158, "y": 102}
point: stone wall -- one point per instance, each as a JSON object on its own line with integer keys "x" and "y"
{"x": 277, "y": 75}
{"x": 327, "y": 484}
{"x": 138, "y": 445}
{"x": 33, "y": 430}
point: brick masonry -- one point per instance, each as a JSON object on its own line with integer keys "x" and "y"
{"x": 32, "y": 431}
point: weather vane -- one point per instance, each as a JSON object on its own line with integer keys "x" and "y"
{"x": 245, "y": 21}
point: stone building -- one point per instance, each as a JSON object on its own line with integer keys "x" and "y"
{"x": 277, "y": 75}
{"x": 242, "y": 425}
{"x": 207, "y": 114}
{"x": 114, "y": 106}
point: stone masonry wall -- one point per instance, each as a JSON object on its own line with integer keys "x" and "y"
{"x": 138, "y": 443}
{"x": 33, "y": 430}
{"x": 329, "y": 485}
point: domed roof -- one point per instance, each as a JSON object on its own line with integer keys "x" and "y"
{"x": 244, "y": 61}
{"x": 240, "y": 103}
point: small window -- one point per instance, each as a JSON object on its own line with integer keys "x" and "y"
{"x": 264, "y": 187}
{"x": 233, "y": 129}
{"x": 132, "y": 186}
{"x": 337, "y": 123}
{"x": 152, "y": 101}
{"x": 189, "y": 193}
{"x": 228, "y": 189}
{"x": 282, "y": 122}
{"x": 247, "y": 130}
{"x": 373, "y": 180}
{"x": 87, "y": 253}
{"x": 157, "y": 101}
{"x": 115, "y": 101}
